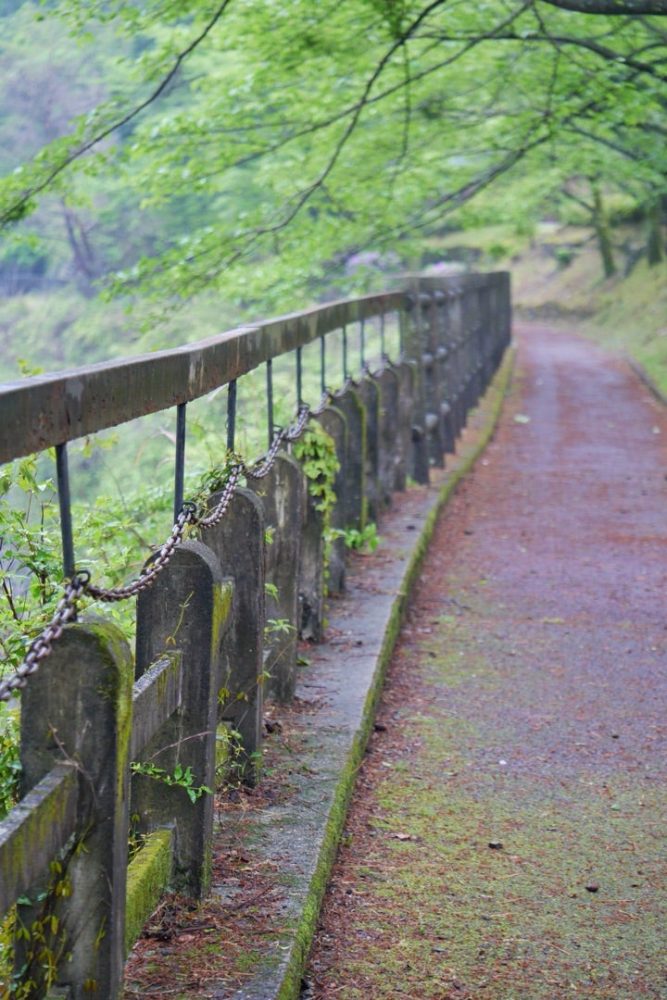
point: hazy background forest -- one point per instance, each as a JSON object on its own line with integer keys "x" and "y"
{"x": 170, "y": 169}
{"x": 292, "y": 152}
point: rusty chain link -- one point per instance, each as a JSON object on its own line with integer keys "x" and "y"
{"x": 80, "y": 584}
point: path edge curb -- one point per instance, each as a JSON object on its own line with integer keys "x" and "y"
{"x": 490, "y": 408}
{"x": 647, "y": 379}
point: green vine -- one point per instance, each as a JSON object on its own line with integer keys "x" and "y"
{"x": 316, "y": 452}
{"x": 42, "y": 938}
{"x": 10, "y": 765}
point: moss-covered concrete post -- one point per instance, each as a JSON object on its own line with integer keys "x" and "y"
{"x": 487, "y": 331}
{"x": 443, "y": 360}
{"x": 388, "y": 384}
{"x": 431, "y": 367}
{"x": 456, "y": 320}
{"x": 411, "y": 339}
{"x": 282, "y": 493}
{"x": 369, "y": 394}
{"x": 187, "y": 608}
{"x": 335, "y": 424}
{"x": 406, "y": 375}
{"x": 78, "y": 708}
{"x": 450, "y": 384}
{"x": 238, "y": 542}
{"x": 349, "y": 403}
{"x": 476, "y": 335}
{"x": 467, "y": 351}
{"x": 311, "y": 571}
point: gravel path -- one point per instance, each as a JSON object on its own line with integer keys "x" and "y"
{"x": 507, "y": 839}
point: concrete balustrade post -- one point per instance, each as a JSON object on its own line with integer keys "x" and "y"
{"x": 350, "y": 405}
{"x": 369, "y": 394}
{"x": 311, "y": 572}
{"x": 431, "y": 367}
{"x": 282, "y": 493}
{"x": 78, "y": 709}
{"x": 187, "y": 609}
{"x": 449, "y": 368}
{"x": 411, "y": 339}
{"x": 442, "y": 367}
{"x": 406, "y": 376}
{"x": 388, "y": 383}
{"x": 457, "y": 346}
{"x": 334, "y": 423}
{"x": 238, "y": 542}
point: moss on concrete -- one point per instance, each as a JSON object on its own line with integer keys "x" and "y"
{"x": 147, "y": 878}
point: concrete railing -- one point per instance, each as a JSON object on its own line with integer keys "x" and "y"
{"x": 92, "y": 708}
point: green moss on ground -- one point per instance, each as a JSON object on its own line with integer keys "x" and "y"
{"x": 437, "y": 910}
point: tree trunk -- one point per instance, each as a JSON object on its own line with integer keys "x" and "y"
{"x": 603, "y": 232}
{"x": 654, "y": 241}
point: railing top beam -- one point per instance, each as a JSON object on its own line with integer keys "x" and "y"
{"x": 42, "y": 411}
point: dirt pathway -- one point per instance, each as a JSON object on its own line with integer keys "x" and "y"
{"x": 507, "y": 839}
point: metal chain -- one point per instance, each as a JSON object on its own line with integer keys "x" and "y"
{"x": 66, "y": 611}
{"x": 228, "y": 491}
{"x": 40, "y": 647}
{"x": 188, "y": 515}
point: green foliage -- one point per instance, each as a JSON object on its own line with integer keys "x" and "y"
{"x": 316, "y": 452}
{"x": 250, "y": 160}
{"x": 30, "y": 570}
{"x": 180, "y": 777}
{"x": 278, "y": 626}
{"x": 367, "y": 538}
{"x": 43, "y": 939}
{"x": 10, "y": 766}
{"x": 232, "y": 761}
{"x": 564, "y": 256}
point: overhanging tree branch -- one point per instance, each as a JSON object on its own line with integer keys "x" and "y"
{"x": 609, "y": 55}
{"x": 612, "y": 8}
{"x": 13, "y": 211}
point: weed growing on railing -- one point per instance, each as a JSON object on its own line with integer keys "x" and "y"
{"x": 278, "y": 626}
{"x": 216, "y": 477}
{"x": 316, "y": 452}
{"x": 367, "y": 538}
{"x": 180, "y": 777}
{"x": 232, "y": 763}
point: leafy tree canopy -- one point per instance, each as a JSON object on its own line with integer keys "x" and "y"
{"x": 266, "y": 141}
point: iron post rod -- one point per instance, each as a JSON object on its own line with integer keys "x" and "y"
{"x": 65, "y": 504}
{"x": 344, "y": 354}
{"x": 179, "y": 466}
{"x": 231, "y": 414}
{"x": 269, "y": 398}
{"x": 323, "y": 364}
{"x": 382, "y": 341}
{"x": 299, "y": 377}
{"x": 362, "y": 342}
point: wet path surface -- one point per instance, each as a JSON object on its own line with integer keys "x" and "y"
{"x": 508, "y": 837}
